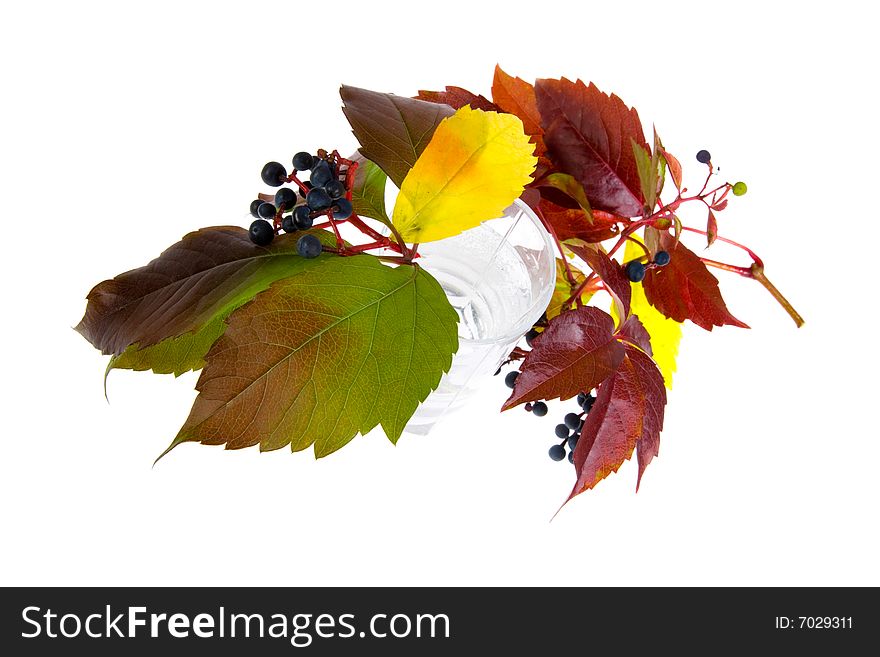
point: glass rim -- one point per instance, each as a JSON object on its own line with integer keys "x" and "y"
{"x": 523, "y": 325}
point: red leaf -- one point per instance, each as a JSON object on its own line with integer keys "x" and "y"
{"x": 711, "y": 228}
{"x": 674, "y": 168}
{"x": 685, "y": 289}
{"x": 574, "y": 223}
{"x": 635, "y": 332}
{"x": 576, "y": 352}
{"x": 589, "y": 135}
{"x": 516, "y": 96}
{"x": 718, "y": 207}
{"x": 628, "y": 412}
{"x": 456, "y": 97}
{"x": 610, "y": 272}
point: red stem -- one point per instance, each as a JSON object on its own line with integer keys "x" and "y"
{"x": 640, "y": 243}
{"x": 751, "y": 253}
{"x": 569, "y": 275}
{"x": 742, "y": 271}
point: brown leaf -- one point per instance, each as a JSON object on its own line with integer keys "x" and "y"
{"x": 517, "y": 96}
{"x": 589, "y": 135}
{"x": 674, "y": 167}
{"x": 634, "y": 331}
{"x": 711, "y": 229}
{"x": 628, "y": 412}
{"x": 574, "y": 223}
{"x": 456, "y": 97}
{"x": 576, "y": 352}
{"x": 392, "y": 130}
{"x": 610, "y": 272}
{"x": 685, "y": 289}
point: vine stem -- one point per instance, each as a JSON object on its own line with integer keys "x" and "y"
{"x": 578, "y": 293}
{"x": 758, "y": 275}
{"x": 751, "y": 253}
{"x": 636, "y": 240}
{"x": 379, "y": 240}
{"x": 569, "y": 275}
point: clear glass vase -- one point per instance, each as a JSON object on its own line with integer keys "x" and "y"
{"x": 499, "y": 277}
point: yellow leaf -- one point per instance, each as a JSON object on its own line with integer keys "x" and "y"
{"x": 562, "y": 292}
{"x": 665, "y": 333}
{"x": 476, "y": 164}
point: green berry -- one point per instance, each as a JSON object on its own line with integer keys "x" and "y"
{"x": 740, "y": 188}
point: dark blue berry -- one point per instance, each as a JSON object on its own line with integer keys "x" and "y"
{"x": 285, "y": 198}
{"x": 661, "y": 258}
{"x": 571, "y": 457}
{"x": 539, "y": 409}
{"x": 321, "y": 174}
{"x": 704, "y": 157}
{"x": 342, "y": 208}
{"x": 261, "y": 232}
{"x": 557, "y": 452}
{"x": 588, "y": 403}
{"x": 266, "y": 211}
{"x": 573, "y": 441}
{"x": 302, "y": 217}
{"x": 308, "y": 246}
{"x": 274, "y": 174}
{"x": 335, "y": 188}
{"x": 308, "y": 185}
{"x": 255, "y": 205}
{"x": 572, "y": 421}
{"x": 303, "y": 161}
{"x": 561, "y": 431}
{"x": 635, "y": 271}
{"x": 318, "y": 199}
{"x": 530, "y": 336}
{"x": 288, "y": 225}
{"x": 510, "y": 379}
{"x": 581, "y": 398}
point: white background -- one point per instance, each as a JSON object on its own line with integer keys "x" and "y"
{"x": 125, "y": 125}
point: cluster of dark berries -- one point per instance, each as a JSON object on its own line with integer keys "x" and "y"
{"x": 296, "y": 208}
{"x": 635, "y": 269}
{"x": 570, "y": 429}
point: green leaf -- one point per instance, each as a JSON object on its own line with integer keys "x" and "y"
{"x": 166, "y": 315}
{"x": 174, "y": 355}
{"x": 647, "y": 174}
{"x": 392, "y": 130}
{"x": 368, "y": 191}
{"x": 658, "y": 163}
{"x": 322, "y": 356}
